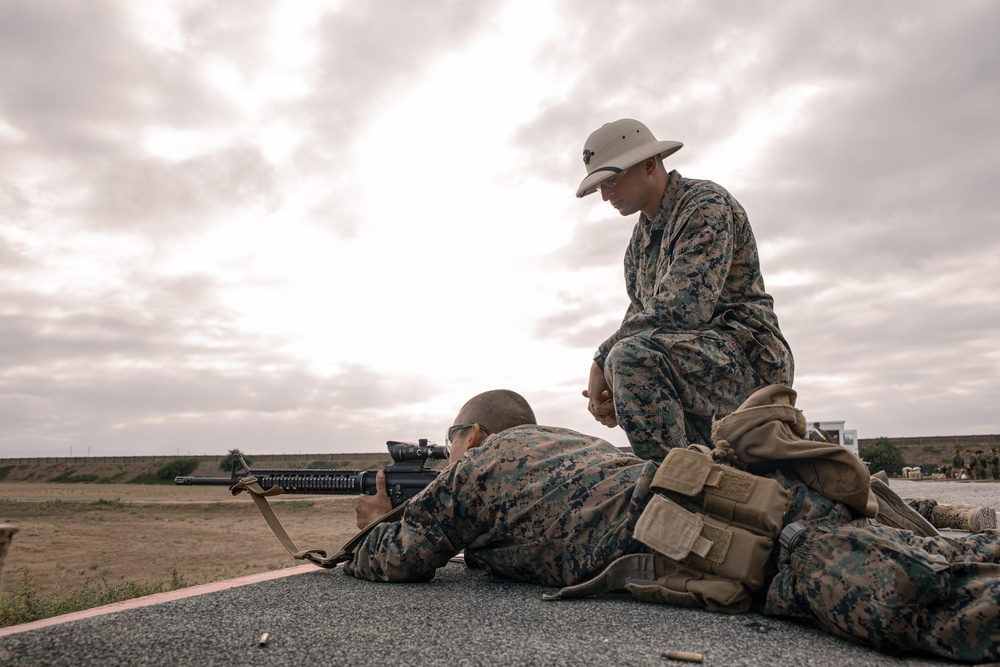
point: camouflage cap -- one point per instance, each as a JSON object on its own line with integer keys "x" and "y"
{"x": 614, "y": 147}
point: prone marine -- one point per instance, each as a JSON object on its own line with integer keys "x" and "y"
{"x": 759, "y": 522}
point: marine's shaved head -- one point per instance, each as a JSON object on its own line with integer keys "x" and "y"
{"x": 496, "y": 410}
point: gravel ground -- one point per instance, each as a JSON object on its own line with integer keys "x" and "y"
{"x": 974, "y": 493}
{"x": 461, "y": 618}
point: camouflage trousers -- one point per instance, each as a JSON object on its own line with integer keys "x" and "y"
{"x": 667, "y": 387}
{"x": 885, "y": 587}
{"x": 893, "y": 590}
{"x": 923, "y": 506}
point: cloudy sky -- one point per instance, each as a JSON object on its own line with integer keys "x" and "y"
{"x": 316, "y": 226}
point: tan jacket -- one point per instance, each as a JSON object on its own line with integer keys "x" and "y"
{"x": 768, "y": 427}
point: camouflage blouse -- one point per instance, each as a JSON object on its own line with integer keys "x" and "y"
{"x": 695, "y": 266}
{"x": 534, "y": 503}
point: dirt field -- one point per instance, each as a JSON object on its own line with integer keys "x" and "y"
{"x": 72, "y": 533}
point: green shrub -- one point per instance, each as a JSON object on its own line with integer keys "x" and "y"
{"x": 883, "y": 455}
{"x": 146, "y": 478}
{"x": 176, "y": 468}
{"x": 297, "y": 505}
{"x": 325, "y": 465}
{"x": 226, "y": 463}
{"x": 5, "y": 470}
{"x": 69, "y": 477}
{"x": 104, "y": 502}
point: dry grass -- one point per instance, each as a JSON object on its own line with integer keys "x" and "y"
{"x": 102, "y": 472}
{"x": 74, "y": 533}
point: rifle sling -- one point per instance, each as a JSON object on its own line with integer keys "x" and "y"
{"x": 315, "y": 556}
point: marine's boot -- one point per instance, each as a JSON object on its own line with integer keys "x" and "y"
{"x": 894, "y": 512}
{"x": 960, "y": 516}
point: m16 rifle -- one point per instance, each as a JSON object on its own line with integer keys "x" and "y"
{"x": 406, "y": 477}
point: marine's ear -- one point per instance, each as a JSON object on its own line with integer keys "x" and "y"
{"x": 476, "y": 437}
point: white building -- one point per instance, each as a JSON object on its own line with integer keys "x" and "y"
{"x": 838, "y": 434}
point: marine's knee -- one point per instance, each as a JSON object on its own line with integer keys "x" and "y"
{"x": 631, "y": 352}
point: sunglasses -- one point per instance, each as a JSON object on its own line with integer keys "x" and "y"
{"x": 457, "y": 428}
{"x": 610, "y": 183}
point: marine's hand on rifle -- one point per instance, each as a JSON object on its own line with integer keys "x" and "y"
{"x": 370, "y": 508}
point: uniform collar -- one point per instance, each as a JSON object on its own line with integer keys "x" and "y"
{"x": 670, "y": 196}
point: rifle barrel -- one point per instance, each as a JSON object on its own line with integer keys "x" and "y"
{"x": 406, "y": 477}
{"x": 195, "y": 481}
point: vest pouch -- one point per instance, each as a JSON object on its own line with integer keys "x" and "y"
{"x": 650, "y": 577}
{"x": 739, "y": 498}
{"x": 682, "y": 586}
{"x": 704, "y": 543}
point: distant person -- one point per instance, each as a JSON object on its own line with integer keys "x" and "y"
{"x": 817, "y": 434}
{"x": 971, "y": 463}
{"x": 958, "y": 464}
{"x": 700, "y": 333}
{"x": 975, "y": 464}
{"x": 994, "y": 461}
{"x": 555, "y": 507}
{"x": 980, "y": 464}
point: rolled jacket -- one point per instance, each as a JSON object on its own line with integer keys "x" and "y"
{"x": 768, "y": 427}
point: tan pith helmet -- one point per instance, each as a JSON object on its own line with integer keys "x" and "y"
{"x": 614, "y": 147}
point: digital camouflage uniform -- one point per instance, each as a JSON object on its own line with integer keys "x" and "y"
{"x": 554, "y": 507}
{"x": 533, "y": 503}
{"x": 957, "y": 465}
{"x": 700, "y": 333}
{"x": 975, "y": 466}
{"x": 886, "y": 587}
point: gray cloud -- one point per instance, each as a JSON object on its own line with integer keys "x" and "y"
{"x": 13, "y": 258}
{"x": 13, "y": 202}
{"x": 124, "y": 410}
{"x": 171, "y": 372}
{"x": 75, "y": 81}
{"x": 368, "y": 49}
{"x": 576, "y": 326}
{"x": 594, "y": 244}
{"x": 79, "y": 88}
{"x": 879, "y": 195}
{"x": 885, "y": 177}
{"x": 368, "y": 52}
{"x": 160, "y": 197}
